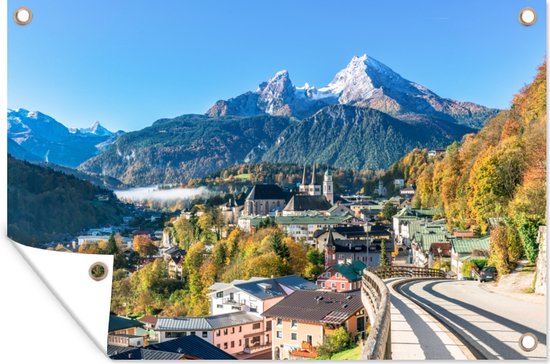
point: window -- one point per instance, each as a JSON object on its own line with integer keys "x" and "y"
{"x": 322, "y": 284}
{"x": 233, "y": 330}
{"x": 333, "y": 285}
{"x": 193, "y": 333}
{"x": 218, "y": 345}
{"x": 204, "y": 334}
{"x": 279, "y": 321}
{"x": 219, "y": 306}
{"x": 268, "y": 325}
{"x": 256, "y": 326}
{"x": 327, "y": 274}
{"x": 309, "y": 339}
{"x": 225, "y": 331}
{"x": 240, "y": 342}
{"x": 342, "y": 285}
{"x": 232, "y": 344}
{"x": 338, "y": 275}
{"x": 279, "y": 334}
{"x": 293, "y": 324}
{"x": 240, "y": 329}
{"x": 225, "y": 345}
{"x": 219, "y": 294}
{"x": 218, "y": 333}
{"x": 294, "y": 336}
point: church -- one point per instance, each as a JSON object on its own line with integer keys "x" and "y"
{"x": 312, "y": 196}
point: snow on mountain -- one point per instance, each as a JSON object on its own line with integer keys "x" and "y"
{"x": 96, "y": 129}
{"x": 41, "y": 136}
{"x": 364, "y": 82}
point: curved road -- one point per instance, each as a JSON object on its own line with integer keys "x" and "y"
{"x": 489, "y": 321}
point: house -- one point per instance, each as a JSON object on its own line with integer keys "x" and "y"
{"x": 148, "y": 322}
{"x": 407, "y": 192}
{"x": 192, "y": 347}
{"x": 230, "y": 211}
{"x": 342, "y": 251}
{"x": 399, "y": 183}
{"x": 340, "y": 232}
{"x": 464, "y": 249}
{"x": 90, "y": 239}
{"x": 264, "y": 199}
{"x": 123, "y": 325}
{"x": 302, "y": 321}
{"x": 254, "y": 295}
{"x": 302, "y": 228}
{"x": 342, "y": 277}
{"x": 339, "y": 209}
{"x": 235, "y": 333}
{"x": 175, "y": 267}
{"x": 422, "y": 253}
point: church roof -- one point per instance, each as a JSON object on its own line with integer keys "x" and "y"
{"x": 307, "y": 203}
{"x": 266, "y": 192}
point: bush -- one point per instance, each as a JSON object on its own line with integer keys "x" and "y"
{"x": 339, "y": 340}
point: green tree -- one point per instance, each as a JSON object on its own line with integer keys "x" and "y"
{"x": 315, "y": 263}
{"x": 384, "y": 261}
{"x": 278, "y": 246}
{"x": 339, "y": 340}
{"x": 389, "y": 210}
{"x": 111, "y": 248}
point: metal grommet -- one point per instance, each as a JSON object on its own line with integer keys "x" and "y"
{"x": 528, "y": 342}
{"x": 98, "y": 271}
{"x": 527, "y": 16}
{"x": 22, "y": 15}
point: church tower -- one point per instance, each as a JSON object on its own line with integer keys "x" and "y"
{"x": 314, "y": 189}
{"x": 303, "y": 185}
{"x": 328, "y": 187}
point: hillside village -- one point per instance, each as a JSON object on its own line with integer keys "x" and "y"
{"x": 294, "y": 313}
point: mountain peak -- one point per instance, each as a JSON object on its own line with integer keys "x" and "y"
{"x": 96, "y": 129}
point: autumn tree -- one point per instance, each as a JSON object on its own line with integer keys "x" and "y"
{"x": 144, "y": 246}
{"x": 384, "y": 261}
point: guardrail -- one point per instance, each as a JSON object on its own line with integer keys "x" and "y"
{"x": 376, "y": 299}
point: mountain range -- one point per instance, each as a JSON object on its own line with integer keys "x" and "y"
{"x": 367, "y": 117}
{"x": 34, "y": 136}
{"x": 364, "y": 82}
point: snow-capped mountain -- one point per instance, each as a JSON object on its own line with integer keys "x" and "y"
{"x": 38, "y": 135}
{"x": 96, "y": 129}
{"x": 364, "y": 82}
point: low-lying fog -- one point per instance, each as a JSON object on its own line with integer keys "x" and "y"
{"x": 161, "y": 195}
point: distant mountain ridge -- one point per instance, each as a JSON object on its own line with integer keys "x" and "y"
{"x": 364, "y": 82}
{"x": 35, "y": 136}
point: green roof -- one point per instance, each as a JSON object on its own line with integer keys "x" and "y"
{"x": 352, "y": 272}
{"x": 117, "y": 323}
{"x": 467, "y": 246}
{"x": 426, "y": 240}
{"x": 302, "y": 220}
{"x": 408, "y": 212}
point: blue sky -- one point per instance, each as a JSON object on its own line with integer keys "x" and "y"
{"x": 128, "y": 63}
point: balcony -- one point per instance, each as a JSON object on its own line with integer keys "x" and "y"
{"x": 307, "y": 350}
{"x": 257, "y": 348}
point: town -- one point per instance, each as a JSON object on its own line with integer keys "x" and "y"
{"x": 301, "y": 302}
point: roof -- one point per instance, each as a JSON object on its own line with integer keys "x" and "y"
{"x": 352, "y": 272}
{"x": 117, "y": 323}
{"x": 353, "y": 231}
{"x": 145, "y": 354}
{"x": 467, "y": 246}
{"x": 182, "y": 324}
{"x": 115, "y": 349}
{"x": 266, "y": 192}
{"x": 232, "y": 319}
{"x": 193, "y": 346}
{"x": 316, "y": 306}
{"x": 311, "y": 220}
{"x": 258, "y": 288}
{"x": 445, "y": 249}
{"x": 149, "y": 320}
{"x": 307, "y": 203}
{"x": 426, "y": 240}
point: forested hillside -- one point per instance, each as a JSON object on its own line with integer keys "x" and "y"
{"x": 493, "y": 179}
{"x": 43, "y": 203}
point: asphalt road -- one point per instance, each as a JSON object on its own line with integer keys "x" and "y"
{"x": 490, "y": 321}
